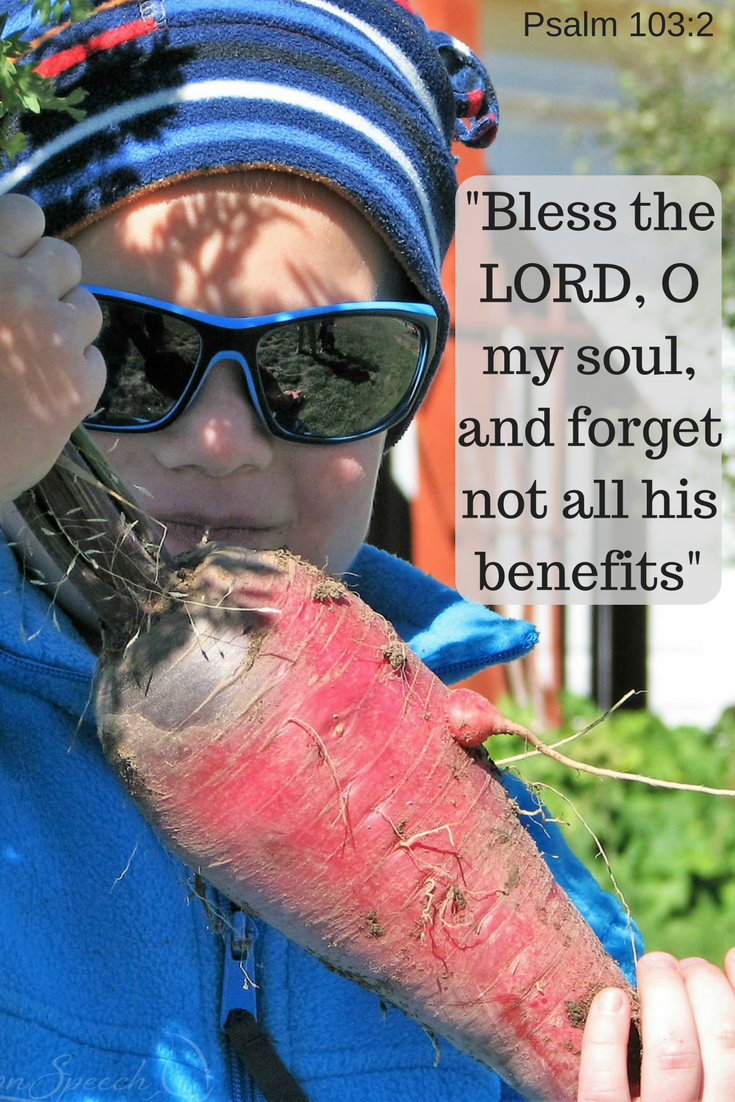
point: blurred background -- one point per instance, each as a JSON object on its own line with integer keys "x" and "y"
{"x": 646, "y": 101}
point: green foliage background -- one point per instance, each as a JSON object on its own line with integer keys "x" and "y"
{"x": 21, "y": 88}
{"x": 677, "y": 116}
{"x": 672, "y": 853}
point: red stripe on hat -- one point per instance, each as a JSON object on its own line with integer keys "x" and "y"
{"x": 474, "y": 99}
{"x": 75, "y": 55}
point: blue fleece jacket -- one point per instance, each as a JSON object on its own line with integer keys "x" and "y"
{"x": 112, "y": 967}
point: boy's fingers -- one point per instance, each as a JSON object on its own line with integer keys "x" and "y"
{"x": 97, "y": 373}
{"x": 22, "y": 223}
{"x": 672, "y": 1066}
{"x": 603, "y": 1075}
{"x": 55, "y": 264}
{"x": 89, "y": 314}
{"x": 713, "y": 1001}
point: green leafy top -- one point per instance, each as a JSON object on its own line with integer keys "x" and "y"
{"x": 21, "y": 87}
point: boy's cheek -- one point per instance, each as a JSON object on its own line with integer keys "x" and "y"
{"x": 336, "y": 491}
{"x": 348, "y": 472}
{"x": 354, "y": 474}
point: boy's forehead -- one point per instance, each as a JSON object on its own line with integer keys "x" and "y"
{"x": 246, "y": 204}
{"x": 241, "y": 244}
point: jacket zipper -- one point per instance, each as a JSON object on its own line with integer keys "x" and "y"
{"x": 238, "y": 1085}
{"x": 239, "y": 992}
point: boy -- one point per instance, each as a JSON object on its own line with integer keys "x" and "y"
{"x": 237, "y": 159}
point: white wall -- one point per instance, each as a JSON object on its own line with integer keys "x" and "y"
{"x": 691, "y": 658}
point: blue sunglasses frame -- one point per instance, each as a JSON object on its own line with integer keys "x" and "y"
{"x": 243, "y": 335}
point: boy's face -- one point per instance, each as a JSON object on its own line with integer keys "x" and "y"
{"x": 244, "y": 245}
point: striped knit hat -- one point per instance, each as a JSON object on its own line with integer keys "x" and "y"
{"x": 357, "y": 94}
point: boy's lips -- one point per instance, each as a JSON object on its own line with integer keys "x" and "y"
{"x": 185, "y": 532}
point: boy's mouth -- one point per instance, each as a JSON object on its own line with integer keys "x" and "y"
{"x": 183, "y": 534}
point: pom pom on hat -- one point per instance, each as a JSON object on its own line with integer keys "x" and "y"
{"x": 475, "y": 101}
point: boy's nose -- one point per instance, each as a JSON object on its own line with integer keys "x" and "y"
{"x": 220, "y": 431}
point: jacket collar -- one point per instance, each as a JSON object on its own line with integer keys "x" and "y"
{"x": 41, "y": 650}
{"x": 454, "y": 637}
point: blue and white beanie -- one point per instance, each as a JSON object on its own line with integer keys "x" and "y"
{"x": 357, "y": 94}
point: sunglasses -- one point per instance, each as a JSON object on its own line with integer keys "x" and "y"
{"x": 321, "y": 375}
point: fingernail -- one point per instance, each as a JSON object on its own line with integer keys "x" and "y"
{"x": 659, "y": 960}
{"x": 610, "y": 1001}
{"x": 693, "y": 962}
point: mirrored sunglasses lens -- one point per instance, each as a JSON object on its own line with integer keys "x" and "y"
{"x": 337, "y": 376}
{"x": 150, "y": 357}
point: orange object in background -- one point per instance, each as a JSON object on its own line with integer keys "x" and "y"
{"x": 432, "y": 511}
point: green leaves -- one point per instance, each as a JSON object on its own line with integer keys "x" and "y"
{"x": 677, "y": 118}
{"x": 23, "y": 89}
{"x": 53, "y": 10}
{"x": 672, "y": 853}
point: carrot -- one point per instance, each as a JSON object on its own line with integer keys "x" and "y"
{"x": 286, "y": 744}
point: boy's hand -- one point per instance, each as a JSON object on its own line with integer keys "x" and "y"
{"x": 688, "y": 1029}
{"x": 50, "y": 376}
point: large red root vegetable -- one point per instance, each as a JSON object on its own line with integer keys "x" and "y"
{"x": 287, "y": 745}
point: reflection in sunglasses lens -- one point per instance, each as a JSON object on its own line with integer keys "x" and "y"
{"x": 150, "y": 357}
{"x": 337, "y": 376}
